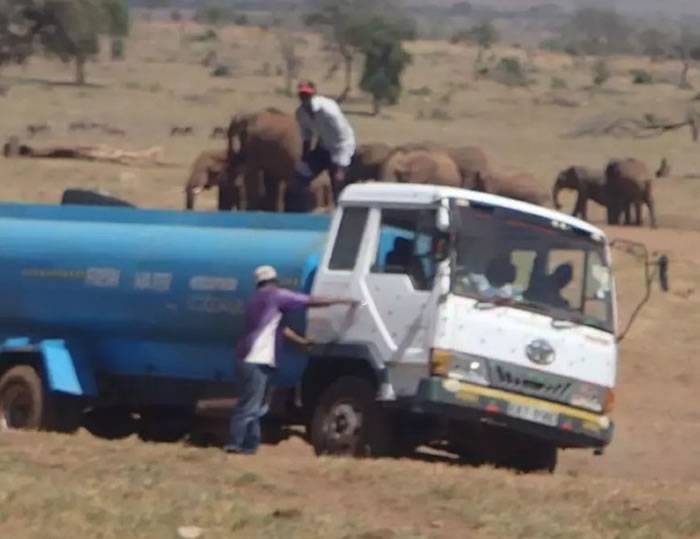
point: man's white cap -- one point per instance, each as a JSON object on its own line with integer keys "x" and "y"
{"x": 265, "y": 273}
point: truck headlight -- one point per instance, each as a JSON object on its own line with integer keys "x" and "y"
{"x": 461, "y": 367}
{"x": 592, "y": 397}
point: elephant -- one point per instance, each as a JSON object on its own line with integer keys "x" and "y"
{"x": 367, "y": 162}
{"x": 204, "y": 174}
{"x": 589, "y": 183}
{"x": 521, "y": 186}
{"x": 264, "y": 148}
{"x": 628, "y": 182}
{"x": 415, "y": 165}
{"x": 472, "y": 164}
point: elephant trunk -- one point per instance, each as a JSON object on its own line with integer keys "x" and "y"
{"x": 190, "y": 194}
{"x": 555, "y": 194}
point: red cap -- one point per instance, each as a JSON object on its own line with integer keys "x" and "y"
{"x": 306, "y": 88}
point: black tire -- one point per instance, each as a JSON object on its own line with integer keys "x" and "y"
{"x": 164, "y": 424}
{"x": 110, "y": 423}
{"x": 348, "y": 421}
{"x": 529, "y": 456}
{"x": 538, "y": 456}
{"x": 21, "y": 399}
{"x": 25, "y": 404}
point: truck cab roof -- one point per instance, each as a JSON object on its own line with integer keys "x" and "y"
{"x": 374, "y": 193}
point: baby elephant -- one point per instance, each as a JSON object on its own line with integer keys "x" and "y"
{"x": 587, "y": 182}
{"x": 628, "y": 182}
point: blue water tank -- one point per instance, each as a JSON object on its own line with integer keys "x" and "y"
{"x": 145, "y": 291}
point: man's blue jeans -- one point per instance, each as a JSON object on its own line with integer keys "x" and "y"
{"x": 251, "y": 406}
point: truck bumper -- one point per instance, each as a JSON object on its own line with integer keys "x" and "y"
{"x": 564, "y": 425}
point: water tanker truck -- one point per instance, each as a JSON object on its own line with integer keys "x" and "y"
{"x": 483, "y": 325}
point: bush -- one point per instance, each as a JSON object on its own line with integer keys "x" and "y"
{"x": 440, "y": 114}
{"x": 640, "y": 76}
{"x": 510, "y": 71}
{"x": 422, "y": 91}
{"x": 601, "y": 73}
{"x": 222, "y": 71}
{"x": 558, "y": 84}
{"x": 208, "y": 35}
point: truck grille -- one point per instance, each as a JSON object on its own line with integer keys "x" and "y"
{"x": 531, "y": 382}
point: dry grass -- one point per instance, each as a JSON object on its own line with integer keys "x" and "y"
{"x": 56, "y": 486}
{"x": 645, "y": 486}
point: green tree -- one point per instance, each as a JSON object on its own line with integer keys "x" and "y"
{"x": 288, "y": 48}
{"x": 687, "y": 49}
{"x": 596, "y": 31}
{"x": 67, "y": 29}
{"x": 117, "y": 24}
{"x": 71, "y": 31}
{"x": 484, "y": 35}
{"x": 601, "y": 72}
{"x": 655, "y": 43}
{"x": 385, "y": 58}
{"x": 344, "y": 25}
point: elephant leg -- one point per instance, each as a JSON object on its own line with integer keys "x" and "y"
{"x": 271, "y": 193}
{"x": 652, "y": 211}
{"x": 613, "y": 214}
{"x": 227, "y": 196}
{"x": 638, "y": 212}
{"x": 628, "y": 214}
{"x": 251, "y": 187}
{"x": 281, "y": 196}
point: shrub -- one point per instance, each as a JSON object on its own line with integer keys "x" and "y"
{"x": 222, "y": 71}
{"x": 558, "y": 84}
{"x": 422, "y": 91}
{"x": 640, "y": 76}
{"x": 510, "y": 71}
{"x": 601, "y": 72}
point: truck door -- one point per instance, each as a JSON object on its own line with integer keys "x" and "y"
{"x": 381, "y": 257}
{"x": 397, "y": 290}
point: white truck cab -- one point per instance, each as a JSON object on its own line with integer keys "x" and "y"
{"x": 488, "y": 323}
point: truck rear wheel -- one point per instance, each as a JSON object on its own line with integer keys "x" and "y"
{"x": 164, "y": 424}
{"x": 348, "y": 421}
{"x": 110, "y": 423}
{"x": 25, "y": 404}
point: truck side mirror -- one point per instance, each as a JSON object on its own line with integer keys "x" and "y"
{"x": 639, "y": 251}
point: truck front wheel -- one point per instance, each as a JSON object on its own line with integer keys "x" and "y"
{"x": 24, "y": 404}
{"x": 348, "y": 421}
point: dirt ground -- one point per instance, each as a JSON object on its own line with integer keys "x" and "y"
{"x": 646, "y": 485}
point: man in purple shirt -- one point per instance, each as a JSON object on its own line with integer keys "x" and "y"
{"x": 257, "y": 353}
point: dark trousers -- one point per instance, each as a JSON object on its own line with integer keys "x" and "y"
{"x": 318, "y": 160}
{"x": 250, "y": 408}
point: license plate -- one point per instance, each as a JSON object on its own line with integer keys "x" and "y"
{"x": 530, "y": 413}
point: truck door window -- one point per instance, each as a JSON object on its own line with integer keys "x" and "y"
{"x": 348, "y": 239}
{"x": 405, "y": 246}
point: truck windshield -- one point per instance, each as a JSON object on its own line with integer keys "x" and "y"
{"x": 504, "y": 257}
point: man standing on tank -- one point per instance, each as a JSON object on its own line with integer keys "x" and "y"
{"x": 258, "y": 350}
{"x": 321, "y": 117}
